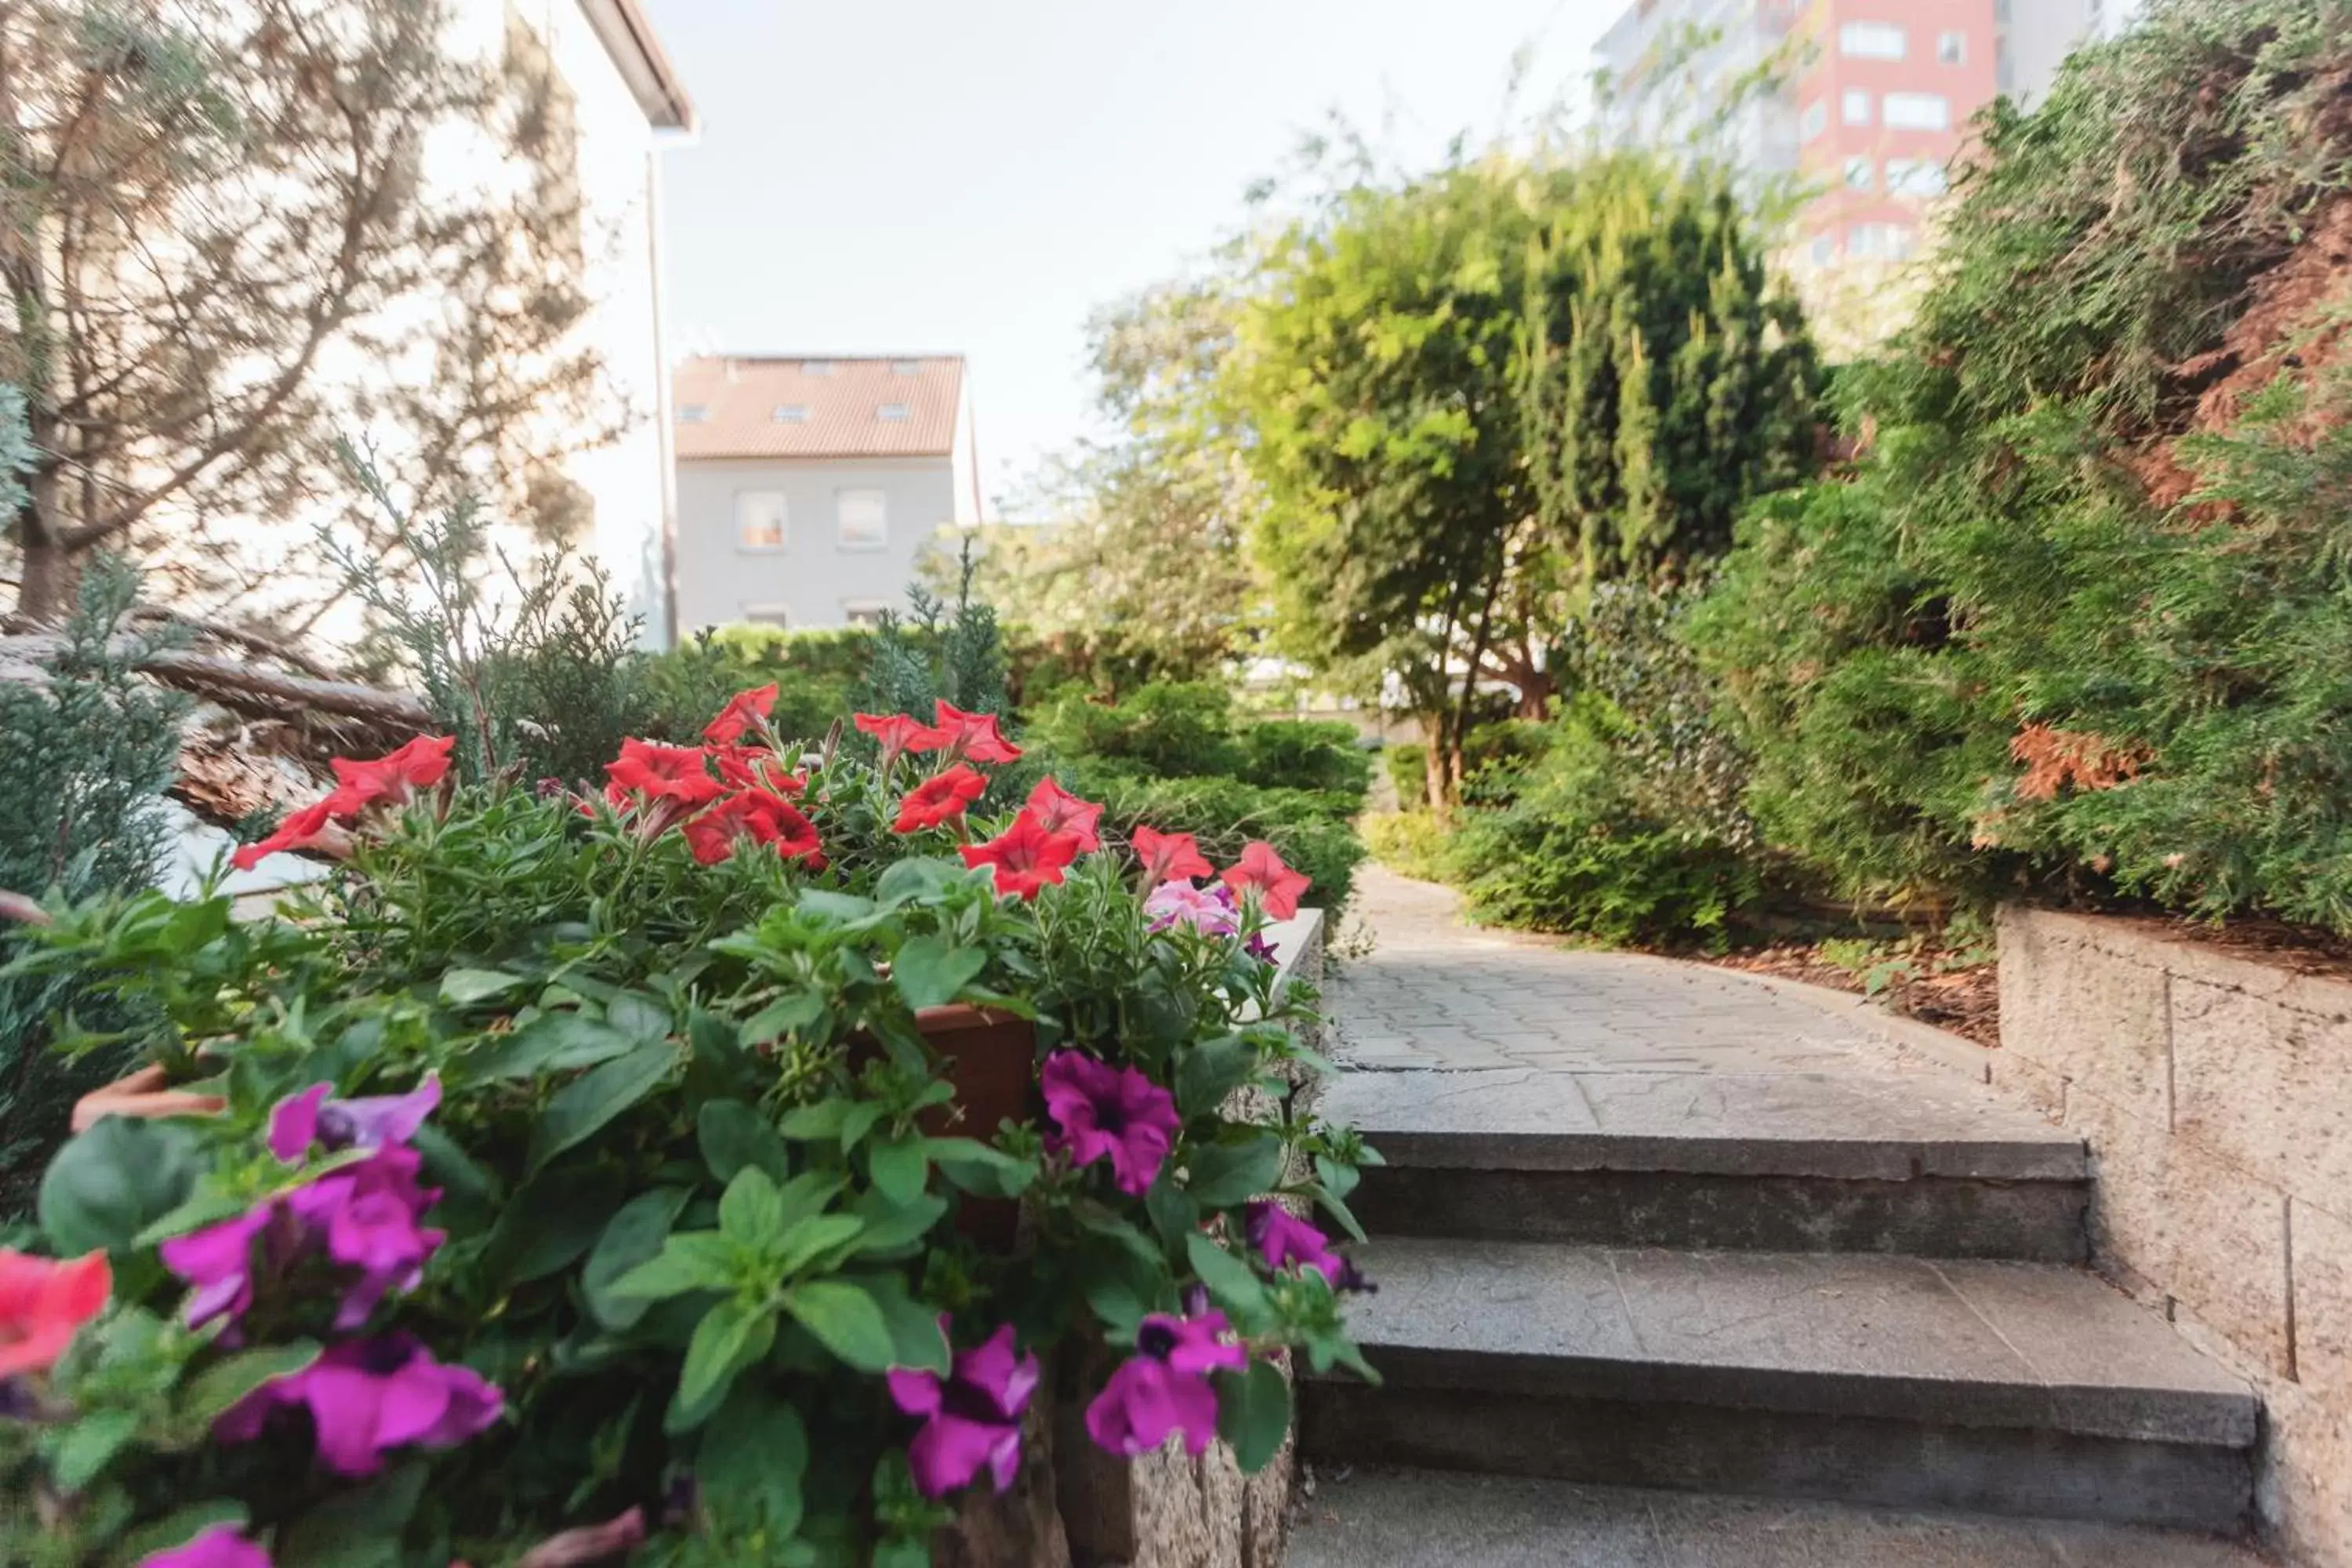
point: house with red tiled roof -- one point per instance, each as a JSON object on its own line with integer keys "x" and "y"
{"x": 810, "y": 487}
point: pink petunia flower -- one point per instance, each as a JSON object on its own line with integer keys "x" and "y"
{"x": 44, "y": 1303}
{"x": 1109, "y": 1112}
{"x": 1167, "y": 856}
{"x": 1209, "y": 911}
{"x": 938, "y": 800}
{"x": 1058, "y": 811}
{"x": 222, "y": 1546}
{"x": 972, "y": 1418}
{"x": 744, "y": 710}
{"x": 1027, "y": 856}
{"x": 973, "y": 734}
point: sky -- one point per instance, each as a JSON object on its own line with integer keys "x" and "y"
{"x": 976, "y": 176}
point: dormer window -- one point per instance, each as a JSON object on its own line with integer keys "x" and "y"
{"x": 693, "y": 414}
{"x": 790, "y": 413}
{"x": 893, "y": 412}
{"x": 817, "y": 367}
{"x": 905, "y": 367}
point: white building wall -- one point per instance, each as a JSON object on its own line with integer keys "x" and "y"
{"x": 814, "y": 580}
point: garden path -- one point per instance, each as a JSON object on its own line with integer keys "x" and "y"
{"x": 1653, "y": 1234}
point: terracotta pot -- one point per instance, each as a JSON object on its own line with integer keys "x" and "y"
{"x": 144, "y": 1093}
{"x": 991, "y": 1063}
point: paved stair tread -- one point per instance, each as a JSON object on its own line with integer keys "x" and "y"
{"x": 1380, "y": 1518}
{"x": 1868, "y": 1122}
{"x": 1969, "y": 1343}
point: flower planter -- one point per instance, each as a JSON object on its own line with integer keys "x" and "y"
{"x": 146, "y": 1093}
{"x": 991, "y": 1061}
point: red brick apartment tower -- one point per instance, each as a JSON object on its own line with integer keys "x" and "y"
{"x": 1882, "y": 98}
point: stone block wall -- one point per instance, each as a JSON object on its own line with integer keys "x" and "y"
{"x": 2215, "y": 1091}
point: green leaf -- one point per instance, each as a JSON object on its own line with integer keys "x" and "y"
{"x": 1338, "y": 1180}
{"x": 638, "y": 1015}
{"x": 816, "y": 1121}
{"x": 82, "y": 1450}
{"x": 1228, "y": 1279}
{"x": 845, "y": 1321}
{"x": 1253, "y": 1413}
{"x": 751, "y": 1210}
{"x": 889, "y": 1225}
{"x": 688, "y": 1260}
{"x": 464, "y": 987}
{"x": 982, "y": 1172}
{"x": 358, "y": 1528}
{"x": 583, "y": 1107}
{"x": 810, "y": 1192}
{"x": 1340, "y": 1212}
{"x": 733, "y": 1135}
{"x": 786, "y": 1014}
{"x": 1173, "y": 1213}
{"x": 553, "y": 1042}
{"x": 838, "y": 909}
{"x": 550, "y": 1221}
{"x": 110, "y": 1183}
{"x": 1211, "y": 1071}
{"x": 635, "y": 1236}
{"x": 813, "y": 1237}
{"x": 228, "y": 1380}
{"x": 1120, "y": 1285}
{"x": 857, "y": 1119}
{"x": 732, "y": 1336}
{"x": 918, "y": 876}
{"x": 931, "y": 971}
{"x": 900, "y": 1167}
{"x": 752, "y": 1458}
{"x": 915, "y": 1337}
{"x": 1224, "y": 1175}
{"x": 902, "y": 1551}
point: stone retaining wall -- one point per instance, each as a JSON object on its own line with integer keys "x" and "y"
{"x": 2215, "y": 1091}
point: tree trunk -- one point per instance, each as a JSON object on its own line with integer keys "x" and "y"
{"x": 1436, "y": 770}
{"x": 52, "y": 575}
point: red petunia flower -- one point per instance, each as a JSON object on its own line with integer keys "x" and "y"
{"x": 1027, "y": 856}
{"x": 974, "y": 735}
{"x": 1058, "y": 811}
{"x": 1166, "y": 855}
{"x": 392, "y": 780}
{"x": 747, "y": 767}
{"x": 679, "y": 773}
{"x": 760, "y": 816}
{"x": 312, "y": 827}
{"x": 1277, "y": 885}
{"x": 44, "y": 1303}
{"x": 938, "y": 799}
{"x": 743, "y": 711}
{"x": 900, "y": 733}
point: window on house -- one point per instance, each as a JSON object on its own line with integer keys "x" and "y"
{"x": 817, "y": 367}
{"x": 791, "y": 413}
{"x": 768, "y": 616}
{"x": 760, "y": 517}
{"x": 1914, "y": 177}
{"x": 2004, "y": 78}
{"x": 1857, "y": 174}
{"x": 893, "y": 412}
{"x": 1871, "y": 41}
{"x": 1855, "y": 105}
{"x": 1815, "y": 121}
{"x": 693, "y": 414}
{"x": 1952, "y": 48}
{"x": 1824, "y": 249}
{"x": 1881, "y": 241}
{"x": 862, "y": 520}
{"x": 905, "y": 367}
{"x": 862, "y": 612}
{"x": 1918, "y": 111}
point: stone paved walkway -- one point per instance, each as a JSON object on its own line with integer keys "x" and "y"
{"x": 1436, "y": 993}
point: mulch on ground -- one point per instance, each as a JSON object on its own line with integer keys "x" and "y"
{"x": 1963, "y": 998}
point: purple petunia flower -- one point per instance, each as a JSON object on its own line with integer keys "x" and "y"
{"x": 369, "y": 1395}
{"x": 218, "y": 1262}
{"x": 1282, "y": 1238}
{"x": 1103, "y": 1110}
{"x": 368, "y": 1214}
{"x": 972, "y": 1419}
{"x": 220, "y": 1547}
{"x": 1163, "y": 1388}
{"x": 372, "y": 1121}
{"x": 1210, "y": 910}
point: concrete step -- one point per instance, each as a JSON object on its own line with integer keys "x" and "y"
{"x": 1370, "y": 1517}
{"x": 1993, "y": 1387}
{"x": 1862, "y": 1161}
